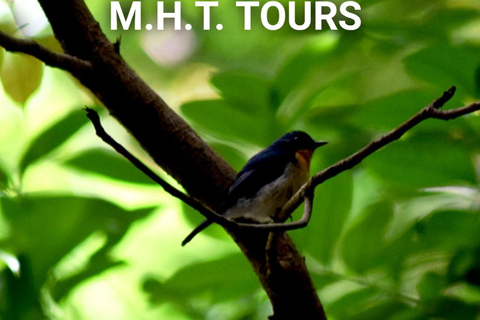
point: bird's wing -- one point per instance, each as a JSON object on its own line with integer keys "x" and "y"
{"x": 262, "y": 169}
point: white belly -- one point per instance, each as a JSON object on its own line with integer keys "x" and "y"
{"x": 271, "y": 198}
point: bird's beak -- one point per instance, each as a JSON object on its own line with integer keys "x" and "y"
{"x": 319, "y": 144}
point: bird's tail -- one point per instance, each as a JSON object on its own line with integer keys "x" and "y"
{"x": 195, "y": 231}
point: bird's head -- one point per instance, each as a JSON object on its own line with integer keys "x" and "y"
{"x": 299, "y": 143}
{"x": 297, "y": 140}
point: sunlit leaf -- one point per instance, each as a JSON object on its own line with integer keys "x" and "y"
{"x": 2, "y": 53}
{"x": 49, "y": 42}
{"x": 97, "y": 264}
{"x": 44, "y": 230}
{"x": 108, "y": 163}
{"x": 53, "y": 137}
{"x": 222, "y": 279}
{"x": 21, "y": 75}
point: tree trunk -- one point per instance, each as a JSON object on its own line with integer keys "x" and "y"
{"x": 179, "y": 151}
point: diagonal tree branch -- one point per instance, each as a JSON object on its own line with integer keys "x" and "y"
{"x": 190, "y": 201}
{"x": 50, "y": 58}
{"x": 306, "y": 192}
{"x": 430, "y": 111}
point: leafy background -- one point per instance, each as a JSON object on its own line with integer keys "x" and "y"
{"x": 85, "y": 236}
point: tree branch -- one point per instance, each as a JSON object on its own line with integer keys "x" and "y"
{"x": 190, "y": 201}
{"x": 306, "y": 191}
{"x": 50, "y": 58}
{"x": 430, "y": 111}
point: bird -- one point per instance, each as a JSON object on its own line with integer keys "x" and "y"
{"x": 267, "y": 181}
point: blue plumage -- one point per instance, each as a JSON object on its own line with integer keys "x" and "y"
{"x": 268, "y": 180}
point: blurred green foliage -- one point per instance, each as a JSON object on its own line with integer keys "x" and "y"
{"x": 395, "y": 238}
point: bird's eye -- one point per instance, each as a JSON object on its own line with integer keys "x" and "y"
{"x": 295, "y": 138}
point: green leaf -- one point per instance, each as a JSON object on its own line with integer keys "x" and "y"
{"x": 297, "y": 92}
{"x": 396, "y": 251}
{"x": 245, "y": 91}
{"x": 108, "y": 163}
{"x": 452, "y": 309}
{"x": 53, "y": 137}
{"x": 363, "y": 243}
{"x": 436, "y": 231}
{"x": 98, "y": 263}
{"x": 234, "y": 157}
{"x": 465, "y": 265}
{"x": 223, "y": 279}
{"x": 383, "y": 308}
{"x": 444, "y": 66}
{"x": 423, "y": 160}
{"x": 449, "y": 19}
{"x": 331, "y": 208}
{"x": 306, "y": 96}
{"x": 2, "y": 53}
{"x": 21, "y": 75}
{"x": 430, "y": 286}
{"x": 351, "y": 303}
{"x": 18, "y": 298}
{"x": 390, "y": 111}
{"x": 3, "y": 178}
{"x": 300, "y": 67}
{"x": 230, "y": 123}
{"x": 45, "y": 229}
{"x": 365, "y": 304}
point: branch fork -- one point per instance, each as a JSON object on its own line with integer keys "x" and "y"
{"x": 49, "y": 57}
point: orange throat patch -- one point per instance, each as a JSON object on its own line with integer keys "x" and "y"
{"x": 304, "y": 156}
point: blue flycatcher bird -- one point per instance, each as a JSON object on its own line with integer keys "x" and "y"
{"x": 268, "y": 180}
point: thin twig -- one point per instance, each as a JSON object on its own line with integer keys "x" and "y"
{"x": 195, "y": 204}
{"x": 50, "y": 58}
{"x": 430, "y": 111}
{"x": 277, "y": 227}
